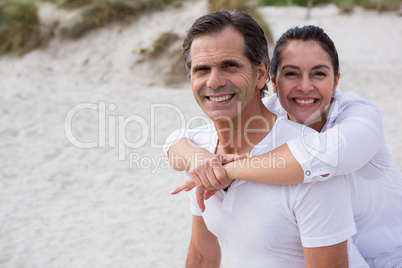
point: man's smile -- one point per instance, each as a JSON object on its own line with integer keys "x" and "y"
{"x": 220, "y": 98}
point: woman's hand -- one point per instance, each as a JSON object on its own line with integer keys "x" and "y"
{"x": 209, "y": 176}
{"x": 208, "y": 173}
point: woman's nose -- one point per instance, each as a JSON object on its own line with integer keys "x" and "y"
{"x": 216, "y": 80}
{"x": 305, "y": 85}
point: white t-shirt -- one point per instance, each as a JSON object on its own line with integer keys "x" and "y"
{"x": 263, "y": 225}
{"x": 352, "y": 144}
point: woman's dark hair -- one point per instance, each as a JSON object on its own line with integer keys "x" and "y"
{"x": 256, "y": 47}
{"x": 305, "y": 33}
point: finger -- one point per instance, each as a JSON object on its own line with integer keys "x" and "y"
{"x": 195, "y": 178}
{"x": 187, "y": 186}
{"x": 199, "y": 194}
{"x": 213, "y": 179}
{"x": 203, "y": 178}
{"x": 220, "y": 176}
{"x": 209, "y": 194}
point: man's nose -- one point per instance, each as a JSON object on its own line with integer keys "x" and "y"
{"x": 305, "y": 85}
{"x": 216, "y": 80}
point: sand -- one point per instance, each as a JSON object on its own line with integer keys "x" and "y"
{"x": 109, "y": 205}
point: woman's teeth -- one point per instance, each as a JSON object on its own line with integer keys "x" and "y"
{"x": 221, "y": 98}
{"x": 305, "y": 101}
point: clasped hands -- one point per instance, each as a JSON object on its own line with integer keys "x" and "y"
{"x": 208, "y": 176}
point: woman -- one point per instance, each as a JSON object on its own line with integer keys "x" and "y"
{"x": 343, "y": 136}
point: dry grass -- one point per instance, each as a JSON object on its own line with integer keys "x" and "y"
{"x": 19, "y": 26}
{"x": 72, "y": 4}
{"x": 102, "y": 12}
{"x": 21, "y": 31}
{"x": 343, "y": 5}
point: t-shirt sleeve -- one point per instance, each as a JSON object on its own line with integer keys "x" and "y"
{"x": 323, "y": 212}
{"x": 348, "y": 143}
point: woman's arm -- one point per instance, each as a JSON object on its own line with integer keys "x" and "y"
{"x": 257, "y": 168}
{"x": 183, "y": 153}
{"x": 351, "y": 142}
{"x": 206, "y": 169}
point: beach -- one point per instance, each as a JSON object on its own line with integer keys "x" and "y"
{"x": 83, "y": 178}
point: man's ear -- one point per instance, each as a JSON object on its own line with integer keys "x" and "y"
{"x": 274, "y": 85}
{"x": 336, "y": 83}
{"x": 262, "y": 74}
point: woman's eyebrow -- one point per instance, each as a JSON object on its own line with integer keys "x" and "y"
{"x": 321, "y": 66}
{"x": 297, "y": 67}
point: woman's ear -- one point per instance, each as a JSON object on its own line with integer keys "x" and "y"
{"x": 273, "y": 81}
{"x": 336, "y": 83}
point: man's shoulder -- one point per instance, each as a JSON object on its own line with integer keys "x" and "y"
{"x": 205, "y": 136}
{"x": 201, "y": 132}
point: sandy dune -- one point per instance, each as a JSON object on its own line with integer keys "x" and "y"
{"x": 108, "y": 205}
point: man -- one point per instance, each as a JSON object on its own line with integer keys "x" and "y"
{"x": 258, "y": 225}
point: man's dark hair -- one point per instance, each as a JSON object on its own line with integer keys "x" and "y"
{"x": 255, "y": 49}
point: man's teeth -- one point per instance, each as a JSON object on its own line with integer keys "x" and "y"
{"x": 305, "y": 101}
{"x": 221, "y": 98}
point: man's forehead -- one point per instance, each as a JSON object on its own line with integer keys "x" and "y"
{"x": 227, "y": 44}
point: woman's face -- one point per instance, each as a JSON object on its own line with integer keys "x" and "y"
{"x": 305, "y": 82}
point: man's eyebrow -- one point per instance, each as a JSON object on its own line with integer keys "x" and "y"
{"x": 231, "y": 62}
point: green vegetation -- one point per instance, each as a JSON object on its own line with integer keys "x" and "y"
{"x": 71, "y": 4}
{"x": 343, "y": 5}
{"x": 102, "y": 12}
{"x": 215, "y": 5}
{"x": 19, "y": 27}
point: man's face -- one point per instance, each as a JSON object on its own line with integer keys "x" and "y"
{"x": 223, "y": 81}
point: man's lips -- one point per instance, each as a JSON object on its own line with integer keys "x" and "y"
{"x": 220, "y": 98}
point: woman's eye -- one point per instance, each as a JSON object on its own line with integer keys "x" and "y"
{"x": 290, "y": 74}
{"x": 321, "y": 74}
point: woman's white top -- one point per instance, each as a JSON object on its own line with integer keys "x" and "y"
{"x": 352, "y": 143}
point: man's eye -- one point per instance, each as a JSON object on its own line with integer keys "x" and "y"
{"x": 200, "y": 69}
{"x": 230, "y": 65}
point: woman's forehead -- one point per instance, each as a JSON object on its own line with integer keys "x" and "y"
{"x": 305, "y": 51}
